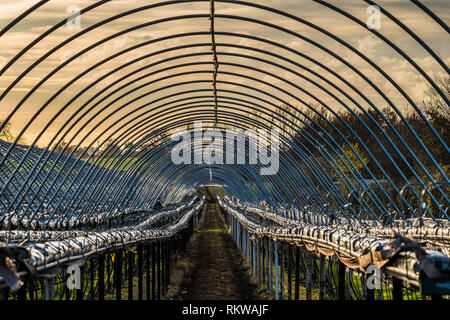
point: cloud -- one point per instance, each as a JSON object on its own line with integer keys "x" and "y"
{"x": 56, "y": 10}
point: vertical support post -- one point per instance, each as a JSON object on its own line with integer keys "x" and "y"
{"x": 67, "y": 291}
{"x": 263, "y": 262}
{"x": 258, "y": 260}
{"x": 341, "y": 281}
{"x": 22, "y": 292}
{"x": 322, "y": 271}
{"x": 101, "y": 278}
{"x": 270, "y": 273}
{"x": 163, "y": 266}
{"x": 397, "y": 289}
{"x": 282, "y": 269}
{"x": 147, "y": 271}
{"x": 153, "y": 271}
{"x": 92, "y": 279}
{"x": 168, "y": 260}
{"x": 350, "y": 283}
{"x": 130, "y": 263}
{"x": 158, "y": 274}
{"x": 5, "y": 294}
{"x": 249, "y": 251}
{"x": 79, "y": 291}
{"x": 118, "y": 274}
{"x": 243, "y": 244}
{"x": 31, "y": 288}
{"x": 277, "y": 289}
{"x": 309, "y": 275}
{"x": 238, "y": 234}
{"x": 232, "y": 226}
{"x": 139, "y": 271}
{"x": 297, "y": 272}
{"x": 369, "y": 293}
{"x": 51, "y": 285}
{"x": 254, "y": 258}
{"x": 108, "y": 272}
{"x": 289, "y": 270}
{"x": 244, "y": 241}
{"x": 46, "y": 290}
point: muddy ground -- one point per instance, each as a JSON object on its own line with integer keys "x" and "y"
{"x": 212, "y": 268}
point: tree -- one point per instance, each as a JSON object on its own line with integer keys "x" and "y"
{"x": 5, "y": 133}
{"x": 360, "y": 166}
{"x": 438, "y": 113}
{"x": 434, "y": 104}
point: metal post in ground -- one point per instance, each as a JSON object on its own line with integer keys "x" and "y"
{"x": 163, "y": 266}
{"x": 297, "y": 273}
{"x": 108, "y": 272}
{"x": 31, "y": 288}
{"x": 248, "y": 249}
{"x": 258, "y": 260}
{"x": 166, "y": 265}
{"x": 369, "y": 293}
{"x": 322, "y": 276}
{"x": 67, "y": 291}
{"x": 254, "y": 258}
{"x": 341, "y": 281}
{"x": 92, "y": 279}
{"x": 140, "y": 262}
{"x": 167, "y": 255}
{"x": 309, "y": 275}
{"x": 282, "y": 267}
{"x": 270, "y": 272}
{"x": 277, "y": 297}
{"x": 79, "y": 292}
{"x": 22, "y": 292}
{"x": 263, "y": 262}
{"x": 153, "y": 271}
{"x": 101, "y": 278}
{"x": 238, "y": 236}
{"x": 243, "y": 243}
{"x": 289, "y": 270}
{"x": 397, "y": 289}
{"x": 147, "y": 271}
{"x": 130, "y": 264}
{"x": 158, "y": 271}
{"x": 5, "y": 294}
{"x": 118, "y": 274}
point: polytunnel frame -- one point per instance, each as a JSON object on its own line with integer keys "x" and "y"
{"x": 321, "y": 30}
{"x": 239, "y": 2}
{"x": 119, "y": 163}
{"x": 147, "y": 173}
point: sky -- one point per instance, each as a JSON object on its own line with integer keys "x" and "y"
{"x": 358, "y": 37}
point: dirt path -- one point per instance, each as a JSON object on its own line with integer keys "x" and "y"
{"x": 215, "y": 269}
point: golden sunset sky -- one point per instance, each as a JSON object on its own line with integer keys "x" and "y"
{"x": 362, "y": 39}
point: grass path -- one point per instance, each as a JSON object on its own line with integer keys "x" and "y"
{"x": 213, "y": 267}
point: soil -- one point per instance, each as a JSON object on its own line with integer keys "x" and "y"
{"x": 214, "y": 268}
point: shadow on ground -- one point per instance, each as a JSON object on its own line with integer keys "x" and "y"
{"x": 213, "y": 268}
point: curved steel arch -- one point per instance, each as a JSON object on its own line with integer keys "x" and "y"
{"x": 25, "y": 168}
